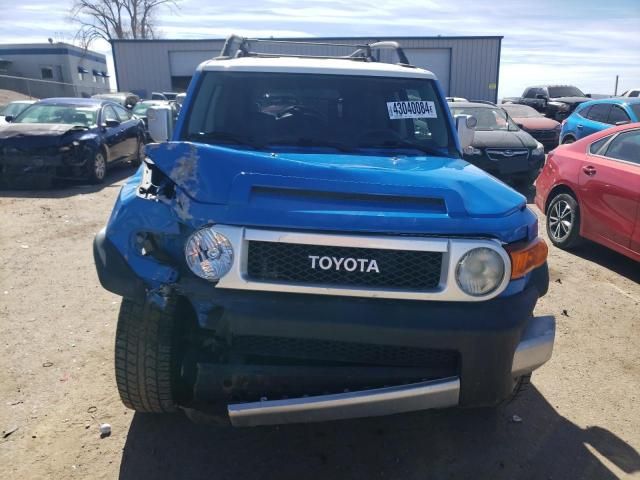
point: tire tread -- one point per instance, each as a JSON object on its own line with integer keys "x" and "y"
{"x": 144, "y": 356}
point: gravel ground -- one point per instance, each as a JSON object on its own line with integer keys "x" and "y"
{"x": 580, "y": 418}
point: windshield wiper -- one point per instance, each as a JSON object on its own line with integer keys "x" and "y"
{"x": 226, "y": 137}
{"x": 407, "y": 145}
{"x": 312, "y": 142}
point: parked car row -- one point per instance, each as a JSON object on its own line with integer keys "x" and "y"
{"x": 554, "y": 101}
{"x": 69, "y": 137}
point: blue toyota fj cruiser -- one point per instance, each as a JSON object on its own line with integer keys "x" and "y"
{"x": 308, "y": 244}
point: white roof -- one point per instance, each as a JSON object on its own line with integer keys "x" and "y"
{"x": 330, "y": 66}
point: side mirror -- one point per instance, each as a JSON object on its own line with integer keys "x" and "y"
{"x": 588, "y": 95}
{"x": 519, "y": 125}
{"x": 128, "y": 106}
{"x": 540, "y": 96}
{"x": 465, "y": 125}
{"x": 160, "y": 122}
{"x": 8, "y": 118}
{"x": 111, "y": 123}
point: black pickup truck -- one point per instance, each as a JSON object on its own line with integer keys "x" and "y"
{"x": 554, "y": 101}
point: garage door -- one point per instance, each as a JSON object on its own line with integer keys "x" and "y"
{"x": 436, "y": 60}
{"x": 184, "y": 62}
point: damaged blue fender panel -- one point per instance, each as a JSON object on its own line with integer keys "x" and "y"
{"x": 133, "y": 215}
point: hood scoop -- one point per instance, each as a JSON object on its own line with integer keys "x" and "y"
{"x": 298, "y": 199}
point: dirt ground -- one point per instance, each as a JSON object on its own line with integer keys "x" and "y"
{"x": 580, "y": 419}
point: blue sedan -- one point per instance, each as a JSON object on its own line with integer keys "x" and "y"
{"x": 69, "y": 137}
{"x": 597, "y": 115}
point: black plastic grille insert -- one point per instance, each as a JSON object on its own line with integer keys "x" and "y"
{"x": 293, "y": 263}
{"x": 348, "y": 352}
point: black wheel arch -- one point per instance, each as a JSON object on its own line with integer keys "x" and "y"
{"x": 557, "y": 190}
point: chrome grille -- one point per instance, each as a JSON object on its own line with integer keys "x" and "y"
{"x": 507, "y": 153}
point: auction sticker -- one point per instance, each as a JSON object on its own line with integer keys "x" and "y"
{"x": 411, "y": 109}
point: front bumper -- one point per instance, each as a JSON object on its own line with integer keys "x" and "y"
{"x": 50, "y": 164}
{"x": 534, "y": 350}
{"x": 548, "y": 138}
{"x": 308, "y": 344}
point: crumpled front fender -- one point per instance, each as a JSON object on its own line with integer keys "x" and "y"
{"x": 122, "y": 268}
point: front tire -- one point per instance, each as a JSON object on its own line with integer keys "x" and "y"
{"x": 139, "y": 156}
{"x": 147, "y": 356}
{"x": 563, "y": 221}
{"x": 97, "y": 168}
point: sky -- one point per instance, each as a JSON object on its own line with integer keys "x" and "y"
{"x": 581, "y": 42}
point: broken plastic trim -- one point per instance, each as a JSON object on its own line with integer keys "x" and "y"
{"x": 154, "y": 183}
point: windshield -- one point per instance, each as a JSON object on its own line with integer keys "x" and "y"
{"x": 556, "y": 92}
{"x": 14, "y": 109}
{"x": 342, "y": 112}
{"x": 521, "y": 111}
{"x": 68, "y": 114}
{"x": 489, "y": 119}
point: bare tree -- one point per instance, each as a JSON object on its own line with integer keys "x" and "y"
{"x": 116, "y": 19}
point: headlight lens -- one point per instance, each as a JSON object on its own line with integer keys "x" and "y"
{"x": 480, "y": 271}
{"x": 469, "y": 150}
{"x": 539, "y": 150}
{"x": 209, "y": 254}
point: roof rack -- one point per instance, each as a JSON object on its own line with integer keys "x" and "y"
{"x": 237, "y": 47}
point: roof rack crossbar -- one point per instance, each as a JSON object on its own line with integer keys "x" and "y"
{"x": 236, "y": 46}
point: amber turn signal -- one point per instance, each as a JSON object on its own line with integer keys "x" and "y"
{"x": 526, "y": 257}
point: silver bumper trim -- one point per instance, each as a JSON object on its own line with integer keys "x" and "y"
{"x": 368, "y": 403}
{"x": 536, "y": 345}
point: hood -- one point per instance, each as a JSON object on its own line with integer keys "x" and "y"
{"x": 27, "y": 135}
{"x": 536, "y": 123}
{"x": 503, "y": 139}
{"x": 570, "y": 100}
{"x": 333, "y": 191}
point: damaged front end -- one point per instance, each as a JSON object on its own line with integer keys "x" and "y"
{"x": 46, "y": 150}
{"x": 261, "y": 335}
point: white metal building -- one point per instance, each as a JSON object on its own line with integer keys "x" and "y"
{"x": 466, "y": 66}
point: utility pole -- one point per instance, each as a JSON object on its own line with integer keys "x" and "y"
{"x": 615, "y": 93}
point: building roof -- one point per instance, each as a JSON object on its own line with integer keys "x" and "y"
{"x": 314, "y": 39}
{"x": 59, "y": 48}
{"x": 329, "y": 66}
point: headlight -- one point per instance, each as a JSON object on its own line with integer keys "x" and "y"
{"x": 67, "y": 148}
{"x": 539, "y": 150}
{"x": 209, "y": 254}
{"x": 480, "y": 271}
{"x": 469, "y": 150}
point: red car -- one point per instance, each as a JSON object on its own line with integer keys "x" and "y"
{"x": 591, "y": 189}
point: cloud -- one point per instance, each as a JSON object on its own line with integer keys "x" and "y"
{"x": 544, "y": 42}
